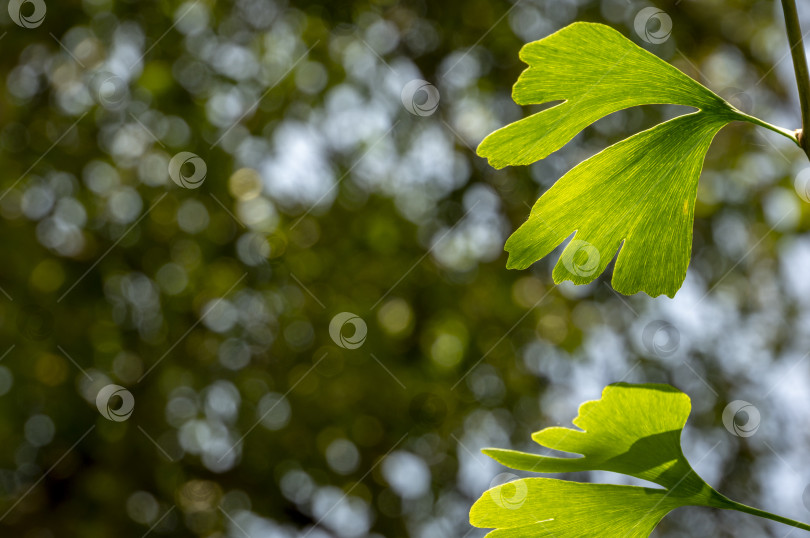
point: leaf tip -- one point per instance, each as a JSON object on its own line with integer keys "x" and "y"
{"x": 513, "y": 263}
{"x": 487, "y": 149}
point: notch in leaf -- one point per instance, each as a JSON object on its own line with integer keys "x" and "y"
{"x": 633, "y": 430}
{"x": 637, "y": 196}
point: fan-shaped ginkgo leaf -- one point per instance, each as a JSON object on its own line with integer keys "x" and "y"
{"x": 633, "y": 430}
{"x": 636, "y": 197}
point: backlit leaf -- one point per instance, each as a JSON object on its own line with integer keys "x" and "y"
{"x": 636, "y": 197}
{"x": 633, "y": 430}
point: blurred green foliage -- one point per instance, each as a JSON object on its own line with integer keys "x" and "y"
{"x": 323, "y": 195}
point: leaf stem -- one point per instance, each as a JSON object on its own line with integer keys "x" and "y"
{"x": 733, "y": 505}
{"x": 793, "y": 135}
{"x": 794, "y": 32}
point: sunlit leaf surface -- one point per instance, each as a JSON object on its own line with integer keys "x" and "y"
{"x": 637, "y": 196}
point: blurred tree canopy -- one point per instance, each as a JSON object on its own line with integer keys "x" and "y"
{"x": 330, "y": 189}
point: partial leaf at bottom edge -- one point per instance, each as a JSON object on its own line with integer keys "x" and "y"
{"x": 563, "y": 509}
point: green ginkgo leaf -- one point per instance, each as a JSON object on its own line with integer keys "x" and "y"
{"x": 549, "y": 507}
{"x": 637, "y": 195}
{"x": 633, "y": 430}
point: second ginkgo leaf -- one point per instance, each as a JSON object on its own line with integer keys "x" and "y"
{"x": 634, "y": 430}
